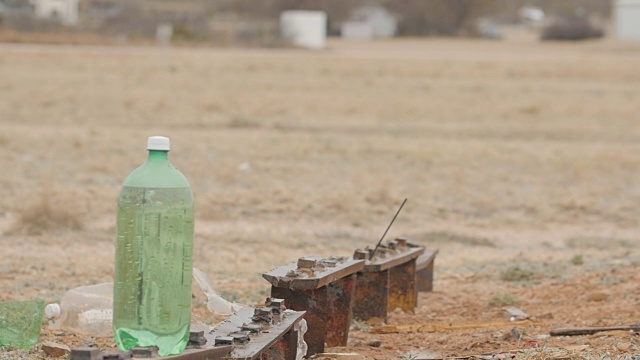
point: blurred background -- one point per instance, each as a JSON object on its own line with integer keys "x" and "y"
{"x": 247, "y": 23}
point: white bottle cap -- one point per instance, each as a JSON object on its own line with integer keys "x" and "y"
{"x": 158, "y": 143}
{"x": 52, "y": 311}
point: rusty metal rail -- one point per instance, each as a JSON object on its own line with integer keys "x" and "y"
{"x": 327, "y": 293}
{"x": 425, "y": 269}
{"x": 92, "y": 353}
{"x": 324, "y": 288}
{"x": 388, "y": 280}
{"x": 264, "y": 333}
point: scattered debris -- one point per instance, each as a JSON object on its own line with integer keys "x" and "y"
{"x": 215, "y": 303}
{"x": 516, "y": 314}
{"x": 429, "y": 328}
{"x": 591, "y": 330}
{"x": 337, "y": 356}
{"x": 54, "y": 349}
{"x": 374, "y": 343}
{"x": 517, "y": 335}
{"x": 421, "y": 355}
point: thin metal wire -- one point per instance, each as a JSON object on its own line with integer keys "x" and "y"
{"x": 388, "y": 227}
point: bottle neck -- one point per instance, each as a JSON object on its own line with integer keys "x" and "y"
{"x": 158, "y": 156}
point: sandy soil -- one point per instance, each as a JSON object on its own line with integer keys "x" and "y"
{"x": 512, "y": 154}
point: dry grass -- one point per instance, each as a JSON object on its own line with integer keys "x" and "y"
{"x": 51, "y": 213}
{"x": 516, "y": 273}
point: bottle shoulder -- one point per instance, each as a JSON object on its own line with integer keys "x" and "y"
{"x": 157, "y": 175}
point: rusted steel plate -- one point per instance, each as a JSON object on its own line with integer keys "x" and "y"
{"x": 257, "y": 343}
{"x": 303, "y": 277}
{"x": 219, "y": 352}
{"x": 372, "y": 290}
{"x": 425, "y": 268}
{"x": 285, "y": 349}
{"x": 341, "y": 297}
{"x": 211, "y": 353}
{"x": 403, "y": 293}
{"x": 316, "y": 304}
{"x": 386, "y": 258}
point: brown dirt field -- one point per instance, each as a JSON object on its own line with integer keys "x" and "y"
{"x": 512, "y": 153}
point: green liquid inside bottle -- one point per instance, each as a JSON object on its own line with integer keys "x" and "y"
{"x": 154, "y": 258}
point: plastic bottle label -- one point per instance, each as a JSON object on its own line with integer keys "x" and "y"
{"x": 95, "y": 316}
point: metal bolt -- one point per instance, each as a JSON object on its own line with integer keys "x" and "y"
{"x": 223, "y": 340}
{"x": 240, "y": 337}
{"x": 252, "y": 328}
{"x": 328, "y": 262}
{"x": 307, "y": 263}
{"x": 144, "y": 352}
{"x": 116, "y": 355}
{"x": 197, "y": 338}
{"x": 361, "y": 255}
{"x": 263, "y": 314}
{"x": 276, "y": 305}
{"x": 85, "y": 353}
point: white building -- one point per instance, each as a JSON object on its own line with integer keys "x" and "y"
{"x": 627, "y": 18}
{"x": 304, "y": 28}
{"x": 66, "y": 11}
{"x": 370, "y": 21}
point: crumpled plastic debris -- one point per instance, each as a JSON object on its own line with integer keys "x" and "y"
{"x": 215, "y": 302}
{"x": 20, "y": 323}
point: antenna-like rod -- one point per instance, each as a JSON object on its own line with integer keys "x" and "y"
{"x": 388, "y": 227}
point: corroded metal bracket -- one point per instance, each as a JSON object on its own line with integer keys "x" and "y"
{"x": 424, "y": 268}
{"x": 388, "y": 280}
{"x": 325, "y": 289}
{"x": 264, "y": 333}
{"x": 92, "y": 353}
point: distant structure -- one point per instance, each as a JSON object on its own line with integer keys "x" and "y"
{"x": 533, "y": 17}
{"x": 627, "y": 19}
{"x": 531, "y": 14}
{"x": 370, "y": 21}
{"x": 15, "y": 8}
{"x": 307, "y": 29}
{"x": 66, "y": 11}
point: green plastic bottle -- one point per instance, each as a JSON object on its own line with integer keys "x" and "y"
{"x": 154, "y": 256}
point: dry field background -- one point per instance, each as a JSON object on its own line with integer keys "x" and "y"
{"x": 513, "y": 155}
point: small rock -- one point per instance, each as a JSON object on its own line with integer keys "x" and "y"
{"x": 54, "y": 349}
{"x": 598, "y": 296}
{"x": 374, "y": 343}
{"x": 623, "y": 347}
{"x": 375, "y": 321}
{"x": 517, "y": 335}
